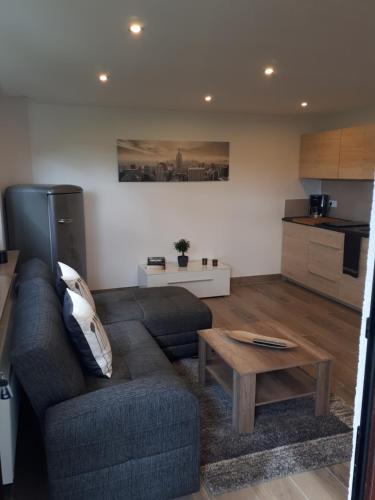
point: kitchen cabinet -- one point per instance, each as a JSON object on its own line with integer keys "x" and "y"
{"x": 295, "y": 248}
{"x": 357, "y": 153}
{"x": 320, "y": 155}
{"x": 351, "y": 289}
{"x": 347, "y": 153}
{"x": 325, "y": 254}
{"x": 313, "y": 257}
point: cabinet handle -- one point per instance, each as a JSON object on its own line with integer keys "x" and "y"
{"x": 65, "y": 221}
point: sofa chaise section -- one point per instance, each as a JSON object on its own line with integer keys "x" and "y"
{"x": 171, "y": 314}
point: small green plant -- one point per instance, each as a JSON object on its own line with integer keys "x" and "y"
{"x": 182, "y": 246}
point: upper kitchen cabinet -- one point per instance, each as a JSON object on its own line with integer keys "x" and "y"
{"x": 320, "y": 155}
{"x": 348, "y": 153}
{"x": 357, "y": 153}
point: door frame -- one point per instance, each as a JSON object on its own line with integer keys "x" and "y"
{"x": 363, "y": 486}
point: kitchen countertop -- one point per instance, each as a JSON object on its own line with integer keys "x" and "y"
{"x": 363, "y": 230}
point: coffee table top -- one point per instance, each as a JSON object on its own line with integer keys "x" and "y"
{"x": 246, "y": 358}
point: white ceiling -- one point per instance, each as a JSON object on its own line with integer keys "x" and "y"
{"x": 52, "y": 50}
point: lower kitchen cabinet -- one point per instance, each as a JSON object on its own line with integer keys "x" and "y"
{"x": 295, "y": 248}
{"x": 351, "y": 289}
{"x": 313, "y": 257}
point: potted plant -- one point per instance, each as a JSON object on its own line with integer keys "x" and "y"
{"x": 182, "y": 246}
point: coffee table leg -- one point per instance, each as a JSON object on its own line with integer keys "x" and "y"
{"x": 323, "y": 388}
{"x": 202, "y": 349}
{"x": 244, "y": 389}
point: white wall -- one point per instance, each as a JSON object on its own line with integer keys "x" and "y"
{"x": 237, "y": 221}
{"x": 343, "y": 119}
{"x": 15, "y": 160}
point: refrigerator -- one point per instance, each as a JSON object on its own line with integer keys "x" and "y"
{"x": 47, "y": 221}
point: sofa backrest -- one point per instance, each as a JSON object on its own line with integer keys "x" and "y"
{"x": 34, "y": 268}
{"x": 42, "y": 356}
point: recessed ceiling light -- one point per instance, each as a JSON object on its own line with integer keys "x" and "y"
{"x": 208, "y": 98}
{"x": 304, "y": 104}
{"x": 269, "y": 71}
{"x": 136, "y": 28}
{"x": 103, "y": 77}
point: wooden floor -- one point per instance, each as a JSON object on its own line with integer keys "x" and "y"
{"x": 330, "y": 326}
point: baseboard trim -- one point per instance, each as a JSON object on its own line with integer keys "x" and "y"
{"x": 255, "y": 280}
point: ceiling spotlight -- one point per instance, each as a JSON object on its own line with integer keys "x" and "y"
{"x": 208, "y": 98}
{"x": 103, "y": 77}
{"x": 136, "y": 28}
{"x": 304, "y": 104}
{"x": 269, "y": 71}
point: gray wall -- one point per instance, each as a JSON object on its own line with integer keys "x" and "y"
{"x": 15, "y": 158}
{"x": 354, "y": 198}
{"x": 344, "y": 119}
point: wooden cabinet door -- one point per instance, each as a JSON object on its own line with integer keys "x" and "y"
{"x": 357, "y": 153}
{"x": 351, "y": 290}
{"x": 320, "y": 154}
{"x": 370, "y": 153}
{"x": 294, "y": 254}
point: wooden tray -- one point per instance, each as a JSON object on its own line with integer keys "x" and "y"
{"x": 260, "y": 340}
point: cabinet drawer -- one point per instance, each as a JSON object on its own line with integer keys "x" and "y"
{"x": 322, "y": 284}
{"x": 351, "y": 290}
{"x": 211, "y": 283}
{"x": 209, "y": 288}
{"x": 295, "y": 230}
{"x": 325, "y": 261}
{"x": 328, "y": 238}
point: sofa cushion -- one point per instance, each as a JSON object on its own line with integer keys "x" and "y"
{"x": 87, "y": 334}
{"x": 34, "y": 268}
{"x": 135, "y": 354}
{"x": 42, "y": 355}
{"x": 119, "y": 424}
{"x": 67, "y": 277}
{"x": 117, "y": 305}
{"x": 163, "y": 310}
{"x": 170, "y": 310}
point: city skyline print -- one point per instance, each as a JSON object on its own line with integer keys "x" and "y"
{"x": 172, "y": 161}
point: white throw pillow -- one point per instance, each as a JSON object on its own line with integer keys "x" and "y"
{"x": 67, "y": 277}
{"x": 88, "y": 334}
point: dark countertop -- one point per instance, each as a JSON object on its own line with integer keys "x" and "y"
{"x": 362, "y": 229}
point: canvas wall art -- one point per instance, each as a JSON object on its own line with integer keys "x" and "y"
{"x": 172, "y": 161}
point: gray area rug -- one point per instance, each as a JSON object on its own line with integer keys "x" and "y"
{"x": 288, "y": 438}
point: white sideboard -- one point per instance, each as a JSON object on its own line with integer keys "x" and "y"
{"x": 202, "y": 281}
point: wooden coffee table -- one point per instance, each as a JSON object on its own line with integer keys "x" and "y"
{"x": 255, "y": 376}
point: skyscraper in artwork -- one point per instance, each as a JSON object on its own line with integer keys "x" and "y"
{"x": 179, "y": 162}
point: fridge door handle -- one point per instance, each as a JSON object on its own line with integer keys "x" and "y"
{"x": 64, "y": 221}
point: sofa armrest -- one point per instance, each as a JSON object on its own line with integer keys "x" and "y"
{"x": 122, "y": 422}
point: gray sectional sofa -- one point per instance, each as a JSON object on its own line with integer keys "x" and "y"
{"x": 134, "y": 436}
